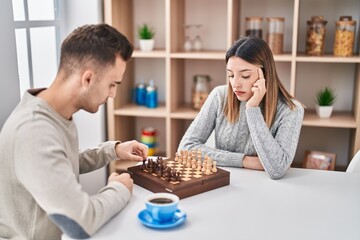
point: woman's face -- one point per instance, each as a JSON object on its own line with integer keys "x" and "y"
{"x": 242, "y": 75}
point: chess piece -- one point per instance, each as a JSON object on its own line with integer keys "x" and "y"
{"x": 199, "y": 155}
{"x": 178, "y": 176}
{"x": 198, "y": 164}
{"x": 214, "y": 169}
{"x": 168, "y": 174}
{"x": 161, "y": 170}
{"x": 148, "y": 164}
{"x": 176, "y": 157}
{"x": 160, "y": 161}
{"x": 188, "y": 162}
{"x": 203, "y": 166}
{"x": 193, "y": 163}
{"x": 173, "y": 177}
{"x": 184, "y": 158}
{"x": 143, "y": 166}
{"x": 208, "y": 169}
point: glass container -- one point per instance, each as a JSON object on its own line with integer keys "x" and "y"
{"x": 253, "y": 26}
{"x": 344, "y": 37}
{"x": 275, "y": 34}
{"x": 200, "y": 91}
{"x": 315, "y": 36}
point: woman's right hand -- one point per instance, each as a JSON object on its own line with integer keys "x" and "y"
{"x": 252, "y": 162}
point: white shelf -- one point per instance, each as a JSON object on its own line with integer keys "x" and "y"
{"x": 328, "y": 59}
{"x": 337, "y": 120}
{"x": 215, "y": 55}
{"x": 141, "y": 111}
{"x": 152, "y": 54}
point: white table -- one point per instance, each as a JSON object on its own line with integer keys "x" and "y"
{"x": 304, "y": 204}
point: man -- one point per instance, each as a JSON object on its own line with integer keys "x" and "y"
{"x": 40, "y": 196}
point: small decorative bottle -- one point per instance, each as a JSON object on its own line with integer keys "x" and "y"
{"x": 197, "y": 44}
{"x": 140, "y": 94}
{"x": 201, "y": 90}
{"x": 151, "y": 95}
{"x": 187, "y": 43}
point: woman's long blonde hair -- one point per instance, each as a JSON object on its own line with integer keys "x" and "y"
{"x": 255, "y": 51}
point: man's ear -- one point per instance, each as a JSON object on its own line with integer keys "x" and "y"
{"x": 87, "y": 78}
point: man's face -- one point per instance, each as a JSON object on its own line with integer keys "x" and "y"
{"x": 104, "y": 85}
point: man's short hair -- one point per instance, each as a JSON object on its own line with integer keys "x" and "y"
{"x": 97, "y": 44}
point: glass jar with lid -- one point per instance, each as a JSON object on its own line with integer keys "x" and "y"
{"x": 275, "y": 34}
{"x": 344, "y": 37}
{"x": 200, "y": 91}
{"x": 253, "y": 26}
{"x": 315, "y": 36}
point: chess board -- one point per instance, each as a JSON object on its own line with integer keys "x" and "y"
{"x": 192, "y": 181}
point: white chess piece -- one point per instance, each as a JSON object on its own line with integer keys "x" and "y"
{"x": 214, "y": 169}
{"x": 208, "y": 169}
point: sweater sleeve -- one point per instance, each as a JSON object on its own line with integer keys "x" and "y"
{"x": 276, "y": 153}
{"x": 95, "y": 158}
{"x": 201, "y": 128}
{"x": 48, "y": 175}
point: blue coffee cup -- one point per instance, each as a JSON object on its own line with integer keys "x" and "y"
{"x": 162, "y": 206}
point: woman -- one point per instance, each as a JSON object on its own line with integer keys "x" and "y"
{"x": 256, "y": 121}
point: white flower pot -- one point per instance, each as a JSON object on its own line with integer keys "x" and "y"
{"x": 146, "y": 45}
{"x": 324, "y": 111}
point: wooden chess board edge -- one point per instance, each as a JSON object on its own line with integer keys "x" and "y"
{"x": 138, "y": 175}
{"x": 183, "y": 189}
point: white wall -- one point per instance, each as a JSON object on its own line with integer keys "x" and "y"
{"x": 91, "y": 127}
{"x": 9, "y": 84}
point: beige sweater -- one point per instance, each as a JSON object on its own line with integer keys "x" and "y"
{"x": 40, "y": 163}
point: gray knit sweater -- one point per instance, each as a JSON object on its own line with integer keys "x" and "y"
{"x": 40, "y": 162}
{"x": 249, "y": 136}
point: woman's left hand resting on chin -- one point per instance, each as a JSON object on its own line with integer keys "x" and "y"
{"x": 131, "y": 150}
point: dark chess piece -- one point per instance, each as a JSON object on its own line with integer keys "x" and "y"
{"x": 178, "y": 176}
{"x": 168, "y": 174}
{"x": 148, "y": 164}
{"x": 155, "y": 167}
{"x": 173, "y": 176}
{"x": 151, "y": 165}
{"x": 164, "y": 170}
{"x": 143, "y": 166}
{"x": 161, "y": 170}
{"x": 160, "y": 161}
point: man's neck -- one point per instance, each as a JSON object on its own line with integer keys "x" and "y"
{"x": 60, "y": 99}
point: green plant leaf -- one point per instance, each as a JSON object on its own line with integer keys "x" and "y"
{"x": 146, "y": 32}
{"x": 325, "y": 97}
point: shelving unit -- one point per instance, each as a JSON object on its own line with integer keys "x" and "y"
{"x": 223, "y": 22}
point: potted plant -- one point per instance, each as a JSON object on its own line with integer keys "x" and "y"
{"x": 325, "y": 99}
{"x": 146, "y": 37}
